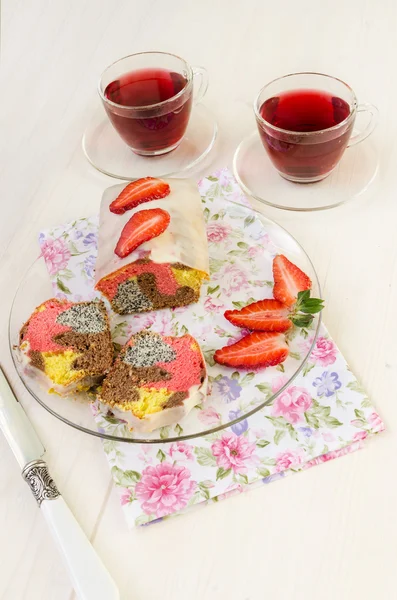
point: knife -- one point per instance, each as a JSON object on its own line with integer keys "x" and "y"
{"x": 90, "y": 578}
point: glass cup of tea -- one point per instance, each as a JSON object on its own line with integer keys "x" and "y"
{"x": 305, "y": 121}
{"x": 148, "y": 98}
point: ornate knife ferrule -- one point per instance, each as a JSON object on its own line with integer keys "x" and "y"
{"x": 40, "y": 481}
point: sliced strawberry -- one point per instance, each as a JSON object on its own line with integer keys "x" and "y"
{"x": 265, "y": 315}
{"x": 143, "y": 226}
{"x": 289, "y": 280}
{"x": 258, "y": 349}
{"x": 137, "y": 192}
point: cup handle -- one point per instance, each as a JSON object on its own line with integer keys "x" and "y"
{"x": 199, "y": 93}
{"x": 373, "y": 121}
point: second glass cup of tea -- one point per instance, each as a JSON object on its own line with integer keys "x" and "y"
{"x": 305, "y": 121}
{"x": 148, "y": 98}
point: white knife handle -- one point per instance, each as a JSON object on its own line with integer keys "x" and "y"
{"x": 90, "y": 578}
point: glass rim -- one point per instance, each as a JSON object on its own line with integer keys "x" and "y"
{"x": 306, "y": 133}
{"x": 146, "y": 106}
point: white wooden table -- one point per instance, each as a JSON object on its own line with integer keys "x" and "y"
{"x": 328, "y": 533}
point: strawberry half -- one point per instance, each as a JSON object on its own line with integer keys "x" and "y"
{"x": 264, "y": 315}
{"x": 143, "y": 226}
{"x": 258, "y": 349}
{"x": 289, "y": 280}
{"x": 137, "y": 192}
{"x": 272, "y": 315}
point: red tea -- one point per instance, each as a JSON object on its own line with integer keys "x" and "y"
{"x": 301, "y": 111}
{"x": 150, "y": 129}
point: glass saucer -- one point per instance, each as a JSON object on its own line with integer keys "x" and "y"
{"x": 350, "y": 179}
{"x": 235, "y": 394}
{"x": 106, "y": 151}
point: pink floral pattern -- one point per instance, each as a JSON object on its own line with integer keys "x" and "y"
{"x": 376, "y": 422}
{"x": 223, "y": 178}
{"x": 324, "y": 352}
{"x": 292, "y": 404}
{"x": 56, "y": 255}
{"x": 278, "y": 382}
{"x": 355, "y": 445}
{"x": 164, "y": 489}
{"x": 126, "y": 497}
{"x": 209, "y": 416}
{"x": 255, "y": 251}
{"x": 289, "y": 460}
{"x": 181, "y": 450}
{"x": 233, "y": 452}
{"x": 214, "y": 305}
{"x": 139, "y": 322}
{"x": 231, "y": 490}
{"x": 217, "y": 232}
{"x": 231, "y": 279}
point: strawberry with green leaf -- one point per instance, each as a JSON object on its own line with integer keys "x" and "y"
{"x": 272, "y": 315}
{"x": 269, "y": 319}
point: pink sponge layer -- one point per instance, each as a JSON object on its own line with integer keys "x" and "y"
{"x": 165, "y": 280}
{"x": 186, "y": 369}
{"x": 43, "y": 327}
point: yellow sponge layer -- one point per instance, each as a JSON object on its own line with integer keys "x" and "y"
{"x": 190, "y": 277}
{"x": 194, "y": 346}
{"x": 150, "y": 401}
{"x": 58, "y": 367}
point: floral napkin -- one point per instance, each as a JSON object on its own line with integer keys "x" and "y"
{"x": 324, "y": 414}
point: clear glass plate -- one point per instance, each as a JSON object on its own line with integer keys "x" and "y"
{"x": 255, "y": 389}
{"x": 258, "y": 178}
{"x": 107, "y": 152}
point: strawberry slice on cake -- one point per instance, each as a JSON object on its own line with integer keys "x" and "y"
{"x": 155, "y": 381}
{"x": 137, "y": 192}
{"x": 143, "y": 226}
{"x": 67, "y": 345}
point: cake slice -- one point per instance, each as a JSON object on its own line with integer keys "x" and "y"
{"x": 155, "y": 380}
{"x": 152, "y": 245}
{"x": 68, "y": 344}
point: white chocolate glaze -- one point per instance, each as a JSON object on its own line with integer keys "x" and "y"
{"x": 184, "y": 240}
{"x": 168, "y": 416}
{"x": 82, "y": 384}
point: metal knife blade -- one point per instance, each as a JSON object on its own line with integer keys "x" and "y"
{"x": 16, "y": 427}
